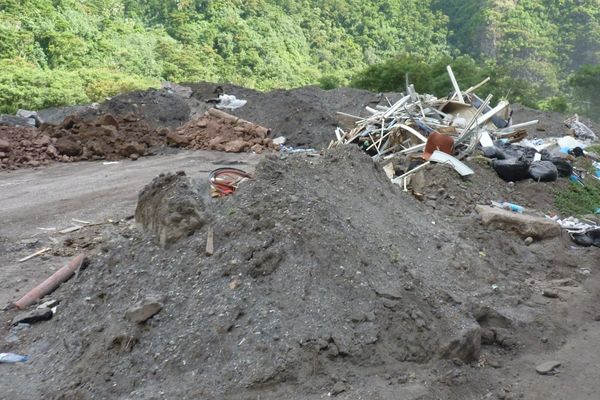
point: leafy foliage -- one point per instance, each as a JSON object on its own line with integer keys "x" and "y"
{"x": 266, "y": 44}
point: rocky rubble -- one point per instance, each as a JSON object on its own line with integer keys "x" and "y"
{"x": 217, "y": 130}
{"x": 26, "y": 147}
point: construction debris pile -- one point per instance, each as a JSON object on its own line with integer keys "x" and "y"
{"x": 420, "y": 129}
{"x": 218, "y": 130}
{"x": 25, "y": 147}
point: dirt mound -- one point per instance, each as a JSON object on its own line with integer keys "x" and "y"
{"x": 221, "y": 131}
{"x": 305, "y": 116}
{"x": 26, "y": 147}
{"x": 302, "y": 290}
{"x": 104, "y": 137}
{"x": 157, "y": 108}
{"x": 551, "y": 123}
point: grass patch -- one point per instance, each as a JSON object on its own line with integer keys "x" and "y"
{"x": 594, "y": 149}
{"x": 579, "y": 200}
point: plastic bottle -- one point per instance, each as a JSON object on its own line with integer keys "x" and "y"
{"x": 10, "y": 358}
{"x": 508, "y": 206}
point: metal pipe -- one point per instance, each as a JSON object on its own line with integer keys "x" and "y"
{"x": 51, "y": 283}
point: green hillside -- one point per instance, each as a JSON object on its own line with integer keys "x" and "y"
{"x": 65, "y": 51}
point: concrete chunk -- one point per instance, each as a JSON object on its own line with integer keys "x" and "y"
{"x": 143, "y": 311}
{"x": 523, "y": 224}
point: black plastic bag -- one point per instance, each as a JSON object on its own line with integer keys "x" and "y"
{"x": 543, "y": 171}
{"x": 590, "y": 238}
{"x": 511, "y": 170}
{"x": 564, "y": 168}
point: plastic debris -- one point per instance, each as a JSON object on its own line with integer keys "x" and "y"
{"x": 11, "y": 358}
{"x": 230, "y": 102}
{"x": 508, "y": 206}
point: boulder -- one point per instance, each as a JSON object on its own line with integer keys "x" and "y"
{"x": 523, "y": 224}
{"x": 68, "y": 147}
{"x": 4, "y": 146}
{"x": 171, "y": 208}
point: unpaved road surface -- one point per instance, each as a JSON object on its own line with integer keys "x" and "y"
{"x": 36, "y": 204}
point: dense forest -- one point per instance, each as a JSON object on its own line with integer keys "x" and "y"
{"x": 544, "y": 53}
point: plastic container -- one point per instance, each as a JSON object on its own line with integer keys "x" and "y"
{"x": 508, "y": 206}
{"x": 10, "y": 358}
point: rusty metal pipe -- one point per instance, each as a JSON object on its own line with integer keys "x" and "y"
{"x": 51, "y": 283}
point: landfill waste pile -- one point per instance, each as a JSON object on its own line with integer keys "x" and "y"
{"x": 420, "y": 129}
{"x": 407, "y": 136}
{"x": 398, "y": 263}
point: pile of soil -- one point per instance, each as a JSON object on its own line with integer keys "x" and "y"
{"x": 26, "y": 147}
{"x": 221, "y": 131}
{"x": 307, "y": 116}
{"x": 157, "y": 108}
{"x": 551, "y": 124}
{"x": 104, "y": 137}
{"x": 442, "y": 188}
{"x": 325, "y": 278}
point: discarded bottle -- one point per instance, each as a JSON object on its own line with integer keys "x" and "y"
{"x": 508, "y": 206}
{"x": 10, "y": 358}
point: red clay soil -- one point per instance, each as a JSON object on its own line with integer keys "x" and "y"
{"x": 105, "y": 137}
{"x": 217, "y": 130}
{"x": 25, "y": 147}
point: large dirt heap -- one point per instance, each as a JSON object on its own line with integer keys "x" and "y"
{"x": 25, "y": 147}
{"x": 303, "y": 288}
{"x": 104, "y": 137}
{"x": 306, "y": 116}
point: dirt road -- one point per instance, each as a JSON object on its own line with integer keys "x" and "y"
{"x": 36, "y": 204}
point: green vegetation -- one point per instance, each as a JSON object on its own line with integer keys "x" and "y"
{"x": 578, "y": 199}
{"x": 543, "y": 53}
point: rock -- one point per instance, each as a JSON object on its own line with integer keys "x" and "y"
{"x": 108, "y": 119}
{"x": 171, "y": 208}
{"x": 488, "y": 336}
{"x": 338, "y": 388}
{"x": 132, "y": 148}
{"x": 465, "y": 345}
{"x": 175, "y": 139}
{"x": 31, "y": 317}
{"x": 236, "y": 146}
{"x": 48, "y": 304}
{"x": 143, "y": 311}
{"x": 14, "y": 121}
{"x": 4, "y": 146}
{"x": 279, "y": 140}
{"x": 548, "y": 368}
{"x": 134, "y": 156}
{"x": 528, "y": 240}
{"x": 68, "y": 147}
{"x": 52, "y": 152}
{"x": 523, "y": 224}
{"x": 43, "y": 140}
{"x": 551, "y": 293}
{"x": 215, "y": 142}
{"x": 257, "y": 148}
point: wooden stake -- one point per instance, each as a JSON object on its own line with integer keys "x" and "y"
{"x": 37, "y": 253}
{"x": 209, "y": 242}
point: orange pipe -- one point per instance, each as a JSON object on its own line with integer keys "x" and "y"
{"x": 51, "y": 283}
